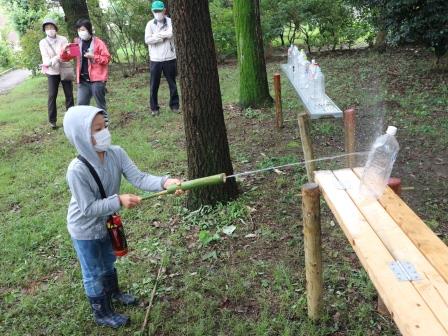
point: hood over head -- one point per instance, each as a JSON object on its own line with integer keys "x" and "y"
{"x": 77, "y": 128}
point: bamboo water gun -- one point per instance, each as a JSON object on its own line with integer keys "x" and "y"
{"x": 189, "y": 185}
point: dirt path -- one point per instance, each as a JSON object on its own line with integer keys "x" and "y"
{"x": 12, "y": 79}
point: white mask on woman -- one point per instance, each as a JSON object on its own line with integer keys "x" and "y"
{"x": 51, "y": 33}
{"x": 159, "y": 16}
{"x": 103, "y": 140}
{"x": 84, "y": 35}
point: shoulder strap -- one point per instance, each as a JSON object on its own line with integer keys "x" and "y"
{"x": 94, "y": 174}
{"x": 49, "y": 44}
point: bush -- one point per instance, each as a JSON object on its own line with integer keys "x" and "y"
{"x": 30, "y": 56}
{"x": 223, "y": 28}
{"x": 6, "y": 55}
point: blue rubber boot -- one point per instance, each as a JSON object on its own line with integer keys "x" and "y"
{"x": 104, "y": 314}
{"x": 110, "y": 282}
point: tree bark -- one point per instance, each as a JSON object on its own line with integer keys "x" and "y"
{"x": 206, "y": 136}
{"x": 74, "y": 10}
{"x": 380, "y": 40}
{"x": 254, "y": 90}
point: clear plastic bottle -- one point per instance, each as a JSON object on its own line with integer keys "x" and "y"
{"x": 290, "y": 55}
{"x": 303, "y": 76}
{"x": 295, "y": 54}
{"x": 379, "y": 164}
{"x": 318, "y": 86}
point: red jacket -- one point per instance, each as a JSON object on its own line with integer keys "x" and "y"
{"x": 98, "y": 66}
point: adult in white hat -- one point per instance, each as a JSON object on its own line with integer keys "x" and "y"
{"x": 50, "y": 48}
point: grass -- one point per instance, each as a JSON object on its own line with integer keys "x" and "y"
{"x": 251, "y": 282}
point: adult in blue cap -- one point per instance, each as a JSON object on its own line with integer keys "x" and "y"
{"x": 162, "y": 54}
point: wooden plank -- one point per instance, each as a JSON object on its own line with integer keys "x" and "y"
{"x": 418, "y": 232}
{"x": 408, "y": 309}
{"x": 432, "y": 287}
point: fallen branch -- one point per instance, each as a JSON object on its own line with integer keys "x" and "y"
{"x": 148, "y": 309}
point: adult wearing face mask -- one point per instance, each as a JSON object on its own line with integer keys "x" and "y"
{"x": 50, "y": 48}
{"x": 162, "y": 54}
{"x": 86, "y": 129}
{"x": 92, "y": 66}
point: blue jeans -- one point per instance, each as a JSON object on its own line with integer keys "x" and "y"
{"x": 97, "y": 259}
{"x": 96, "y": 89}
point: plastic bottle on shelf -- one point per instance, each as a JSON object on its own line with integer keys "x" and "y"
{"x": 303, "y": 76}
{"x": 379, "y": 164}
{"x": 318, "y": 87}
{"x": 290, "y": 55}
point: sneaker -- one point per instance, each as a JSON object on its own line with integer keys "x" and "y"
{"x": 53, "y": 125}
{"x": 155, "y": 113}
{"x": 175, "y": 110}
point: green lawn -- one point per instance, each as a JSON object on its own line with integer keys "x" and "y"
{"x": 234, "y": 285}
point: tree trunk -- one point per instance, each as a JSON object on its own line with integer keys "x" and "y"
{"x": 74, "y": 10}
{"x": 206, "y": 136}
{"x": 380, "y": 40}
{"x": 254, "y": 90}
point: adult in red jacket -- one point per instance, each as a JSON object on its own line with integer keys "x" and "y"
{"x": 92, "y": 65}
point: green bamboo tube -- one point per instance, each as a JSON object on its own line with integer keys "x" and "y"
{"x": 192, "y": 184}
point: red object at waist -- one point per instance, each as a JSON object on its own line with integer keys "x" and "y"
{"x": 74, "y": 49}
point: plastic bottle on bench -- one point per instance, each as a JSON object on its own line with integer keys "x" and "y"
{"x": 379, "y": 164}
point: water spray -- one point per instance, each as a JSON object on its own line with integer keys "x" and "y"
{"x": 221, "y": 178}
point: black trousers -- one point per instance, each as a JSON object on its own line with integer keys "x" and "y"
{"x": 53, "y": 88}
{"x": 168, "y": 68}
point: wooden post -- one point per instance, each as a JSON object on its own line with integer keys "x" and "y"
{"x": 278, "y": 101}
{"x": 395, "y": 184}
{"x": 307, "y": 145}
{"x": 349, "y": 127}
{"x": 312, "y": 244}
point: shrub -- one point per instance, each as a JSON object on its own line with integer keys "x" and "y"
{"x": 6, "y": 55}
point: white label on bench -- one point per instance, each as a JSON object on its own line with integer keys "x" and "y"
{"x": 404, "y": 271}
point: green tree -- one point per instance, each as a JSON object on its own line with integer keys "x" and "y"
{"x": 374, "y": 13}
{"x": 6, "y": 55}
{"x": 419, "y": 21}
{"x": 254, "y": 90}
{"x": 222, "y": 18}
{"x": 74, "y": 10}
{"x": 205, "y": 131}
{"x": 30, "y": 56}
{"x": 125, "y": 23}
{"x": 24, "y": 13}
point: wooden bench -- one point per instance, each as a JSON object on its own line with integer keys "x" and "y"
{"x": 381, "y": 233}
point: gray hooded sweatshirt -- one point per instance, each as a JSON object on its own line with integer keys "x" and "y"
{"x": 88, "y": 211}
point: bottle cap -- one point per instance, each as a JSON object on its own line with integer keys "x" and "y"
{"x": 392, "y": 130}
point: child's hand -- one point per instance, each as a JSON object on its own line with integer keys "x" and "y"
{"x": 129, "y": 201}
{"x": 169, "y": 182}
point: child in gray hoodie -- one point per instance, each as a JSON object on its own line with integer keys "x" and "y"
{"x": 85, "y": 128}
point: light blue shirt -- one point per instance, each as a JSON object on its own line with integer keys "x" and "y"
{"x": 87, "y": 210}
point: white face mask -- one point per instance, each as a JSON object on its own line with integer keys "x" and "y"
{"x": 84, "y": 35}
{"x": 159, "y": 16}
{"x": 103, "y": 140}
{"x": 51, "y": 33}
